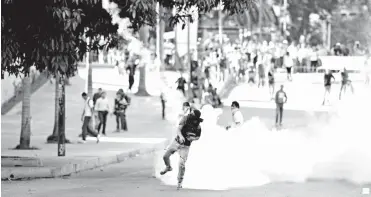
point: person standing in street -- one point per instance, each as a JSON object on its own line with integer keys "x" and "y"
{"x": 271, "y": 82}
{"x": 186, "y": 109}
{"x": 345, "y": 81}
{"x": 189, "y": 130}
{"x": 95, "y": 118}
{"x": 237, "y": 116}
{"x": 281, "y": 98}
{"x": 288, "y": 61}
{"x": 181, "y": 84}
{"x": 122, "y": 101}
{"x": 86, "y": 118}
{"x": 163, "y": 104}
{"x": 131, "y": 69}
{"x": 261, "y": 70}
{"x": 329, "y": 78}
{"x": 97, "y": 95}
{"x": 102, "y": 108}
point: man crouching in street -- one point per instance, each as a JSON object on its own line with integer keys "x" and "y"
{"x": 189, "y": 130}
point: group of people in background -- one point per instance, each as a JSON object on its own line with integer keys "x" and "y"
{"x": 96, "y": 110}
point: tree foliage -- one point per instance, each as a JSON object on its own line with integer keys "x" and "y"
{"x": 300, "y": 11}
{"x": 349, "y": 31}
{"x": 143, "y": 12}
{"x": 50, "y": 34}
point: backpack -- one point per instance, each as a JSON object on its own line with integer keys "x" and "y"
{"x": 189, "y": 125}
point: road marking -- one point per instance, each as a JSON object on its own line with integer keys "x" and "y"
{"x": 129, "y": 140}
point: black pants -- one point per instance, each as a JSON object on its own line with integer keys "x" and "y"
{"x": 182, "y": 90}
{"x": 131, "y": 81}
{"x": 86, "y": 129}
{"x": 102, "y": 115}
{"x": 121, "y": 118}
{"x": 313, "y": 65}
{"x": 163, "y": 102}
{"x": 279, "y": 113}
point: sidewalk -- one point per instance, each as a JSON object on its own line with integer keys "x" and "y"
{"x": 147, "y": 133}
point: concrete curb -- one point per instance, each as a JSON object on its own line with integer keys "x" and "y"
{"x": 19, "y": 173}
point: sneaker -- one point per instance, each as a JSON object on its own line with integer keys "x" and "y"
{"x": 82, "y": 141}
{"x": 167, "y": 169}
{"x": 98, "y": 138}
{"x": 179, "y": 186}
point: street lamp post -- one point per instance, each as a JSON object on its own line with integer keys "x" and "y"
{"x": 329, "y": 34}
{"x": 189, "y": 56}
{"x": 261, "y": 20}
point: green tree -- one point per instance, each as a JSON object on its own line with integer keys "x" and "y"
{"x": 250, "y": 18}
{"x": 300, "y": 11}
{"x": 50, "y": 36}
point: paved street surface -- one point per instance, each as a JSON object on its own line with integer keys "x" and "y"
{"x": 135, "y": 178}
{"x": 301, "y": 96}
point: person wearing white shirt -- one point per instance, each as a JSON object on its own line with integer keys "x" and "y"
{"x": 86, "y": 117}
{"x": 237, "y": 116}
{"x": 102, "y": 108}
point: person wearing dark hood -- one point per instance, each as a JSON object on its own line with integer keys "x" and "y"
{"x": 345, "y": 81}
{"x": 97, "y": 95}
{"x": 181, "y": 84}
{"x": 122, "y": 102}
{"x": 189, "y": 130}
{"x": 131, "y": 70}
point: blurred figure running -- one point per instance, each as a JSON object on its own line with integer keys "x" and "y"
{"x": 329, "y": 78}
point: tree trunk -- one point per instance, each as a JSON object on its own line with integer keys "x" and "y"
{"x": 26, "y": 115}
{"x": 54, "y": 137}
{"x": 90, "y": 81}
{"x": 142, "y": 90}
{"x": 61, "y": 117}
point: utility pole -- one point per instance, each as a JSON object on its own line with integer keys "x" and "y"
{"x": 285, "y": 18}
{"x": 220, "y": 23}
{"x": 329, "y": 34}
{"x": 87, "y": 67}
{"x": 158, "y": 31}
{"x": 175, "y": 29}
{"x": 161, "y": 37}
{"x": 260, "y": 20}
{"x": 189, "y": 56}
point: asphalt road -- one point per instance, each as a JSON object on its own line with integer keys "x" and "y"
{"x": 135, "y": 177}
{"x": 291, "y": 118}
